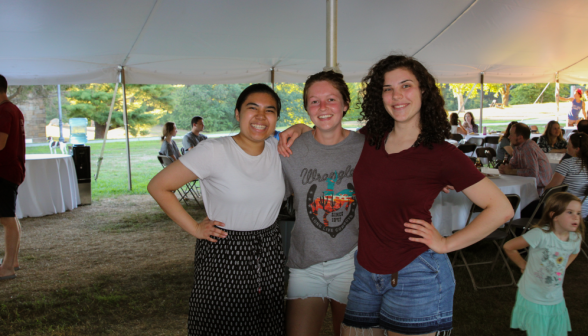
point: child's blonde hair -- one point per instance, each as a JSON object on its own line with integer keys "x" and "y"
{"x": 557, "y": 204}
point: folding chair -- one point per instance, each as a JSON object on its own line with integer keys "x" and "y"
{"x": 479, "y": 142}
{"x": 191, "y": 187}
{"x": 525, "y": 224}
{"x": 498, "y": 237}
{"x": 491, "y": 141}
{"x": 467, "y": 148}
{"x": 456, "y": 137}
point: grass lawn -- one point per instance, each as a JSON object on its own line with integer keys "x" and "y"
{"x": 113, "y": 180}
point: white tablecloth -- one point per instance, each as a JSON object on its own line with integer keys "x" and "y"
{"x": 554, "y": 159}
{"x": 450, "y": 211}
{"x": 50, "y": 186}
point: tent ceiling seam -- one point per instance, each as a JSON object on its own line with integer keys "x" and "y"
{"x": 124, "y": 63}
{"x": 571, "y": 65}
{"x": 446, "y": 28}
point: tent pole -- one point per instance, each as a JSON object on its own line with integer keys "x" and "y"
{"x": 557, "y": 96}
{"x": 332, "y": 37}
{"x": 60, "y": 114}
{"x": 126, "y": 122}
{"x": 101, "y": 157}
{"x": 541, "y": 94}
{"x": 273, "y": 73}
{"x": 481, "y": 102}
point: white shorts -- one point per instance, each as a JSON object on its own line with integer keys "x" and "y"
{"x": 329, "y": 279}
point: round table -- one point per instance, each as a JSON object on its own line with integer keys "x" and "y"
{"x": 450, "y": 211}
{"x": 50, "y": 186}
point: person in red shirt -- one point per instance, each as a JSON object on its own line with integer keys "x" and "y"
{"x": 403, "y": 281}
{"x": 12, "y": 173}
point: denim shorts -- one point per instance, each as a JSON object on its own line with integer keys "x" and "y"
{"x": 329, "y": 279}
{"x": 421, "y": 302}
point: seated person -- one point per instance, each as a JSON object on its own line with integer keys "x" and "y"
{"x": 168, "y": 145}
{"x": 552, "y": 140}
{"x": 469, "y": 124}
{"x": 528, "y": 159}
{"x": 574, "y": 171}
{"x": 192, "y": 138}
{"x": 504, "y": 147}
{"x": 455, "y": 124}
{"x": 581, "y": 127}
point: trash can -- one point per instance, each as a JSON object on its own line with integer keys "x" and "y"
{"x": 81, "y": 157}
{"x": 78, "y": 131}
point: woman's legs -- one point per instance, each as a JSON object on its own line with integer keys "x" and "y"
{"x": 305, "y": 316}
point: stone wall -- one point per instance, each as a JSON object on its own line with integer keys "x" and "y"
{"x": 33, "y": 110}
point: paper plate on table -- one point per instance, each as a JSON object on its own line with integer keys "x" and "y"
{"x": 492, "y": 176}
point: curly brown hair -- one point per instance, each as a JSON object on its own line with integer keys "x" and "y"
{"x": 435, "y": 127}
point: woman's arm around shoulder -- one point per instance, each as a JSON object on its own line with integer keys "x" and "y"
{"x": 162, "y": 188}
{"x": 288, "y": 136}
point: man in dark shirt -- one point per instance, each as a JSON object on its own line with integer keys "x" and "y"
{"x": 193, "y": 138}
{"x": 12, "y": 172}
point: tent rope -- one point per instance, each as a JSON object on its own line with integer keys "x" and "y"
{"x": 444, "y": 30}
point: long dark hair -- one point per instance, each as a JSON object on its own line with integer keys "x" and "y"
{"x": 580, "y": 140}
{"x": 507, "y": 132}
{"x": 471, "y": 115}
{"x": 547, "y": 133}
{"x": 453, "y": 119}
{"x": 435, "y": 127}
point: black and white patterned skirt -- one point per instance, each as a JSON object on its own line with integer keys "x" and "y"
{"x": 239, "y": 285}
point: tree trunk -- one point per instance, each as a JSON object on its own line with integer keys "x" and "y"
{"x": 99, "y": 130}
{"x": 460, "y": 104}
{"x": 506, "y": 95}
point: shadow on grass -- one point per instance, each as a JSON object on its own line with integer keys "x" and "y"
{"x": 112, "y": 300}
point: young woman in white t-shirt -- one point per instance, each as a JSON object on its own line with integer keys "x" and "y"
{"x": 239, "y": 272}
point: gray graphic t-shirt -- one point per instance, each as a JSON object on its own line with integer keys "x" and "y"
{"x": 321, "y": 179}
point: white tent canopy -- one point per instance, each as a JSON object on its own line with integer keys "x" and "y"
{"x": 224, "y": 41}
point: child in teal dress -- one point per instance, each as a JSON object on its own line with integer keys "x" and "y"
{"x": 553, "y": 243}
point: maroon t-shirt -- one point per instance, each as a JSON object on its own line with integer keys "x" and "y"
{"x": 393, "y": 188}
{"x": 12, "y": 157}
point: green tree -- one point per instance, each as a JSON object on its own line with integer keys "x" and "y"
{"x": 145, "y": 105}
{"x": 215, "y": 103}
{"x": 293, "y": 111}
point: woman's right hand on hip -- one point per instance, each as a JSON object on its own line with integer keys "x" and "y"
{"x": 207, "y": 230}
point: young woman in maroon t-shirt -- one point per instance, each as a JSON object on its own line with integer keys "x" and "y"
{"x": 403, "y": 281}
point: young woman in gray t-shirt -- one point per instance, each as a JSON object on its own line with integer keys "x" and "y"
{"x": 319, "y": 172}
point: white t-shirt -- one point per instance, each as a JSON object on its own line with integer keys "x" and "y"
{"x": 242, "y": 191}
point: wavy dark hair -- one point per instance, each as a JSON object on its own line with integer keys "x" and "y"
{"x": 580, "y": 140}
{"x": 507, "y": 132}
{"x": 472, "y": 116}
{"x": 435, "y": 127}
{"x": 453, "y": 118}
